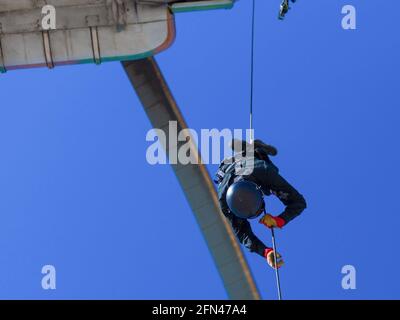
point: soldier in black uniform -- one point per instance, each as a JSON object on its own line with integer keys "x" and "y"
{"x": 265, "y": 175}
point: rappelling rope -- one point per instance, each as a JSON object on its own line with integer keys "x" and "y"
{"x": 252, "y": 70}
{"x": 253, "y": 19}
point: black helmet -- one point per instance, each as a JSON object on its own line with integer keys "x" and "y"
{"x": 245, "y": 199}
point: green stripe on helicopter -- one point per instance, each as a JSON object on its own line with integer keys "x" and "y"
{"x": 200, "y": 6}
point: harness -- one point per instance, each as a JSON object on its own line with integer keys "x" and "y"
{"x": 230, "y": 166}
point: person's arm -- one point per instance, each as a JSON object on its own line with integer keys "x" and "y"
{"x": 243, "y": 231}
{"x": 294, "y": 202}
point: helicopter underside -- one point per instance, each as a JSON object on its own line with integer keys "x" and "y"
{"x": 88, "y": 31}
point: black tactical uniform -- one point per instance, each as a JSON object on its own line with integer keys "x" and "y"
{"x": 266, "y": 175}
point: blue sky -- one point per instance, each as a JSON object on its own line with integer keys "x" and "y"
{"x": 77, "y": 192}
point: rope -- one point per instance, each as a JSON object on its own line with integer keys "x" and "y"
{"x": 252, "y": 70}
{"x": 278, "y": 281}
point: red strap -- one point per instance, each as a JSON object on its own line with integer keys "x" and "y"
{"x": 279, "y": 221}
{"x": 266, "y": 251}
